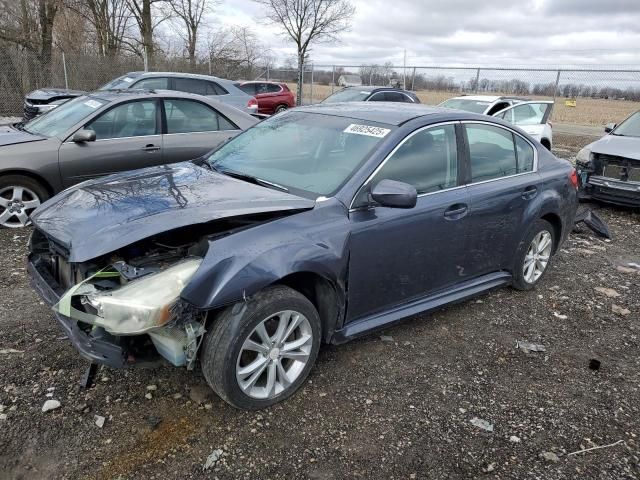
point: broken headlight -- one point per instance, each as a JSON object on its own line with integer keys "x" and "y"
{"x": 136, "y": 307}
{"x": 584, "y": 156}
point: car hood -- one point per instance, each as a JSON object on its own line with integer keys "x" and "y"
{"x": 45, "y": 94}
{"x": 628, "y": 147}
{"x": 13, "y": 136}
{"x": 100, "y": 216}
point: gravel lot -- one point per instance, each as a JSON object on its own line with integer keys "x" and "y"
{"x": 409, "y": 404}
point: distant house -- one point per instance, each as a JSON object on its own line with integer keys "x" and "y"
{"x": 349, "y": 81}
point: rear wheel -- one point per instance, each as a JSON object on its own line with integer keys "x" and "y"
{"x": 533, "y": 255}
{"x": 260, "y": 352}
{"x": 19, "y": 197}
{"x": 280, "y": 108}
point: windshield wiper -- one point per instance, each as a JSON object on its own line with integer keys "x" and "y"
{"x": 250, "y": 178}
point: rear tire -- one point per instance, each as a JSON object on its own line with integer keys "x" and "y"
{"x": 260, "y": 352}
{"x": 19, "y": 197}
{"x": 533, "y": 255}
{"x": 280, "y": 108}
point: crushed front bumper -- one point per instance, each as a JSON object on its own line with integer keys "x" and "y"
{"x": 97, "y": 345}
{"x": 611, "y": 190}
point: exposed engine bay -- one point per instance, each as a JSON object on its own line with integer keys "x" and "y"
{"x": 131, "y": 297}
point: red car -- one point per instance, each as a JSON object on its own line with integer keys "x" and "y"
{"x": 272, "y": 97}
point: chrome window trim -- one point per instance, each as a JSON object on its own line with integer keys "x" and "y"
{"x": 117, "y": 138}
{"x": 200, "y": 131}
{"x": 451, "y": 122}
{"x": 386, "y": 159}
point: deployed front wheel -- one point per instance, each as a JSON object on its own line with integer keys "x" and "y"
{"x": 260, "y": 352}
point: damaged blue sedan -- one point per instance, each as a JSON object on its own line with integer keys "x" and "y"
{"x": 315, "y": 226}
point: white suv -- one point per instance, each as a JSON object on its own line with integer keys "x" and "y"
{"x": 531, "y": 116}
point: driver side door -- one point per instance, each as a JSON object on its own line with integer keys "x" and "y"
{"x": 128, "y": 136}
{"x": 400, "y": 255}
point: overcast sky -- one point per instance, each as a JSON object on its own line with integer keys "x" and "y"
{"x": 477, "y": 32}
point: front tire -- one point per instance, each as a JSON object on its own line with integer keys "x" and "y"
{"x": 19, "y": 197}
{"x": 260, "y": 352}
{"x": 533, "y": 255}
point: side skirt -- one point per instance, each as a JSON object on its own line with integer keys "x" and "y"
{"x": 458, "y": 293}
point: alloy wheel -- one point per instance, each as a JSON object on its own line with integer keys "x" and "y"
{"x": 274, "y": 354}
{"x": 16, "y": 204}
{"x": 537, "y": 257}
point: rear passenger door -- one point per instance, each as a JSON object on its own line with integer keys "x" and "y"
{"x": 502, "y": 183}
{"x": 192, "y": 129}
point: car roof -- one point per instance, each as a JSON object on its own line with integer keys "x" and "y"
{"x": 374, "y": 88}
{"x": 488, "y": 98}
{"x": 179, "y": 74}
{"x": 391, "y": 113}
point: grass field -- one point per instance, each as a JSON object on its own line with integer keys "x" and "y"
{"x": 588, "y": 111}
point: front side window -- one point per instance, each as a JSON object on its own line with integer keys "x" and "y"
{"x": 59, "y": 120}
{"x": 185, "y": 116}
{"x": 214, "y": 89}
{"x": 152, "y": 84}
{"x": 527, "y": 114}
{"x": 491, "y": 152}
{"x": 428, "y": 160}
{"x": 190, "y": 85}
{"x": 313, "y": 154}
{"x": 133, "y": 119}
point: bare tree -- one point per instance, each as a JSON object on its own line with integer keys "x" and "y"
{"x": 190, "y": 13}
{"x": 309, "y": 21}
{"x": 109, "y": 20}
{"x": 143, "y": 15}
{"x": 29, "y": 23}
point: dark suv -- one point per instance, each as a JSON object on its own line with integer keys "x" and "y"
{"x": 372, "y": 94}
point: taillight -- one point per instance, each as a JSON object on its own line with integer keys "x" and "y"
{"x": 252, "y": 103}
{"x": 573, "y": 179}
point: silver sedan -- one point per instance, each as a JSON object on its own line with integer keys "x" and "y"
{"x": 102, "y": 133}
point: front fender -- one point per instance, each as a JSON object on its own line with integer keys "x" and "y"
{"x": 240, "y": 265}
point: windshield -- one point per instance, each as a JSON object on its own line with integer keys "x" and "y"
{"x": 347, "y": 95}
{"x": 61, "y": 119}
{"x": 630, "y": 127}
{"x": 120, "y": 83}
{"x": 308, "y": 152}
{"x": 475, "y": 106}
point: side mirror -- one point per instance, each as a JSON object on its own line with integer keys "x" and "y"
{"x": 608, "y": 128}
{"x": 84, "y": 135}
{"x": 390, "y": 193}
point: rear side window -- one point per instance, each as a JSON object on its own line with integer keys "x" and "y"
{"x": 273, "y": 88}
{"x": 188, "y": 116}
{"x": 395, "y": 97}
{"x": 428, "y": 160}
{"x": 491, "y": 152}
{"x": 152, "y": 84}
{"x": 525, "y": 154}
{"x": 190, "y": 85}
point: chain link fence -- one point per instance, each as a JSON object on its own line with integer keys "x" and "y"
{"x": 583, "y": 96}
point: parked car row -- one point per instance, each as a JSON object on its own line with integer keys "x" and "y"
{"x": 317, "y": 225}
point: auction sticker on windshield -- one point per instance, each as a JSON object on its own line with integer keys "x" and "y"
{"x": 92, "y": 104}
{"x": 367, "y": 130}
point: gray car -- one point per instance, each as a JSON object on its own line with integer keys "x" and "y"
{"x": 102, "y": 133}
{"x": 609, "y": 168}
{"x": 44, "y": 100}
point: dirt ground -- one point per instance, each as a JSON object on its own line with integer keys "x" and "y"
{"x": 411, "y": 404}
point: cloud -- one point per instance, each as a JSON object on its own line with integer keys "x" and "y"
{"x": 472, "y": 32}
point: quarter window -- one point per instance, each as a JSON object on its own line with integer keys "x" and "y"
{"x": 428, "y": 160}
{"x": 491, "y": 152}
{"x": 525, "y": 155}
{"x": 186, "y": 116}
{"x": 133, "y": 119}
